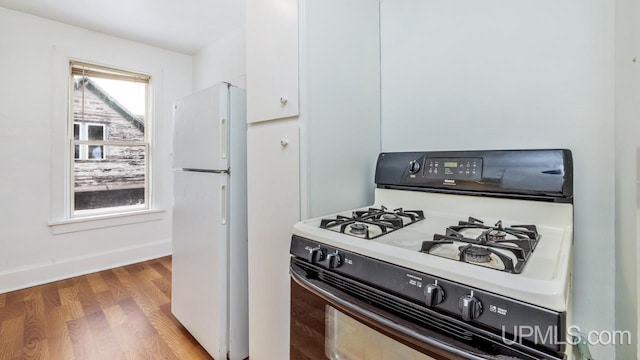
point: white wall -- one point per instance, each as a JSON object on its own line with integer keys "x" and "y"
{"x": 339, "y": 104}
{"x": 222, "y": 60}
{"x": 500, "y": 74}
{"x": 627, "y": 159}
{"x": 33, "y": 122}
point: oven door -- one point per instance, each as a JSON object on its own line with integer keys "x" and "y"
{"x": 334, "y": 317}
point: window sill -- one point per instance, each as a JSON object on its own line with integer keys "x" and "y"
{"x": 105, "y": 220}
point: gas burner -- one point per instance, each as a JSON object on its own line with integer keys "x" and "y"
{"x": 373, "y": 222}
{"x": 475, "y": 254}
{"x": 511, "y": 246}
{"x": 389, "y": 216}
{"x": 358, "y": 229}
{"x": 494, "y": 236}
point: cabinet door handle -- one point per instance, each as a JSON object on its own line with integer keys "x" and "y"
{"x": 283, "y": 100}
{"x": 284, "y": 142}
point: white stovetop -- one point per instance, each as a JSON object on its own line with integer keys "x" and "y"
{"x": 544, "y": 280}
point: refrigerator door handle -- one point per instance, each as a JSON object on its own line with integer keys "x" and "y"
{"x": 223, "y": 138}
{"x": 223, "y": 204}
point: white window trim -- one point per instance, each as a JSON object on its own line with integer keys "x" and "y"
{"x": 73, "y": 214}
{"x": 60, "y": 218}
{"x": 105, "y": 220}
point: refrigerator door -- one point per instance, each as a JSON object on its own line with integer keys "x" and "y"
{"x": 200, "y": 267}
{"x": 201, "y": 130}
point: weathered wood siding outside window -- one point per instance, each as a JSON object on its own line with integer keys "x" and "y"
{"x": 123, "y": 168}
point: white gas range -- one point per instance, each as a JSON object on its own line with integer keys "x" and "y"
{"x": 481, "y": 240}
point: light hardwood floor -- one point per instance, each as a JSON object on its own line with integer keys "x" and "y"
{"x": 122, "y": 313}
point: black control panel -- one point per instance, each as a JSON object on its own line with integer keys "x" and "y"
{"x": 545, "y": 175}
{"x": 461, "y": 302}
{"x": 453, "y": 168}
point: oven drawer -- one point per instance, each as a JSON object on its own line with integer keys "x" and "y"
{"x": 335, "y": 317}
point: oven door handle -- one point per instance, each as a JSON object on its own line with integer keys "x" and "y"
{"x": 310, "y": 285}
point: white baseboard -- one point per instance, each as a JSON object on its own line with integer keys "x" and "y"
{"x": 66, "y": 268}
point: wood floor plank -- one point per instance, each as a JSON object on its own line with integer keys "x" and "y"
{"x": 68, "y": 294}
{"x": 137, "y": 319}
{"x": 115, "y": 316}
{"x": 134, "y": 268}
{"x": 33, "y": 293}
{"x": 159, "y": 349}
{"x": 122, "y": 313}
{"x": 156, "y": 295}
{"x": 105, "y": 299}
{"x": 11, "y": 311}
{"x": 11, "y": 340}
{"x": 58, "y": 340}
{"x": 166, "y": 267}
{"x": 166, "y": 310}
{"x": 166, "y": 262}
{"x": 65, "y": 283}
{"x": 161, "y": 269}
{"x": 87, "y": 297}
{"x": 60, "y": 346}
{"x": 71, "y": 307}
{"x": 125, "y": 280}
{"x": 115, "y": 286}
{"x": 51, "y": 295}
{"x": 163, "y": 285}
{"x": 132, "y": 347}
{"x": 34, "y": 326}
{"x": 17, "y": 296}
{"x": 175, "y": 336}
{"x": 107, "y": 346}
{"x": 81, "y": 340}
{"x": 34, "y": 335}
{"x": 148, "y": 295}
{"x": 96, "y": 282}
{"x": 55, "y": 322}
{"x": 198, "y": 350}
{"x": 36, "y": 350}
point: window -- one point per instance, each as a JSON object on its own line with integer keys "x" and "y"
{"x": 89, "y": 132}
{"x": 109, "y": 141}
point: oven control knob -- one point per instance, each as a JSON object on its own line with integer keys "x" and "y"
{"x": 470, "y": 307}
{"x": 334, "y": 260}
{"x": 414, "y": 167}
{"x": 434, "y": 294}
{"x": 316, "y": 254}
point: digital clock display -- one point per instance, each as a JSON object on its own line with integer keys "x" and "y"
{"x": 450, "y": 164}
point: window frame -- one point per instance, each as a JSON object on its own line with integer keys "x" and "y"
{"x": 85, "y": 144}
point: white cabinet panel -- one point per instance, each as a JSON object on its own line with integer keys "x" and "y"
{"x": 272, "y": 59}
{"x": 274, "y": 203}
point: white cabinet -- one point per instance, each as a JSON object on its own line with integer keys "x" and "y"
{"x": 317, "y": 161}
{"x": 272, "y": 59}
{"x": 273, "y": 164}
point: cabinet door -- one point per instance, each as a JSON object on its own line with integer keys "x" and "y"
{"x": 272, "y": 59}
{"x": 273, "y": 208}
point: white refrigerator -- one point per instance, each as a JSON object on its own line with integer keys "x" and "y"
{"x": 209, "y": 270}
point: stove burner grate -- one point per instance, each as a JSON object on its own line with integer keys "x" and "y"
{"x": 381, "y": 219}
{"x": 520, "y": 240}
